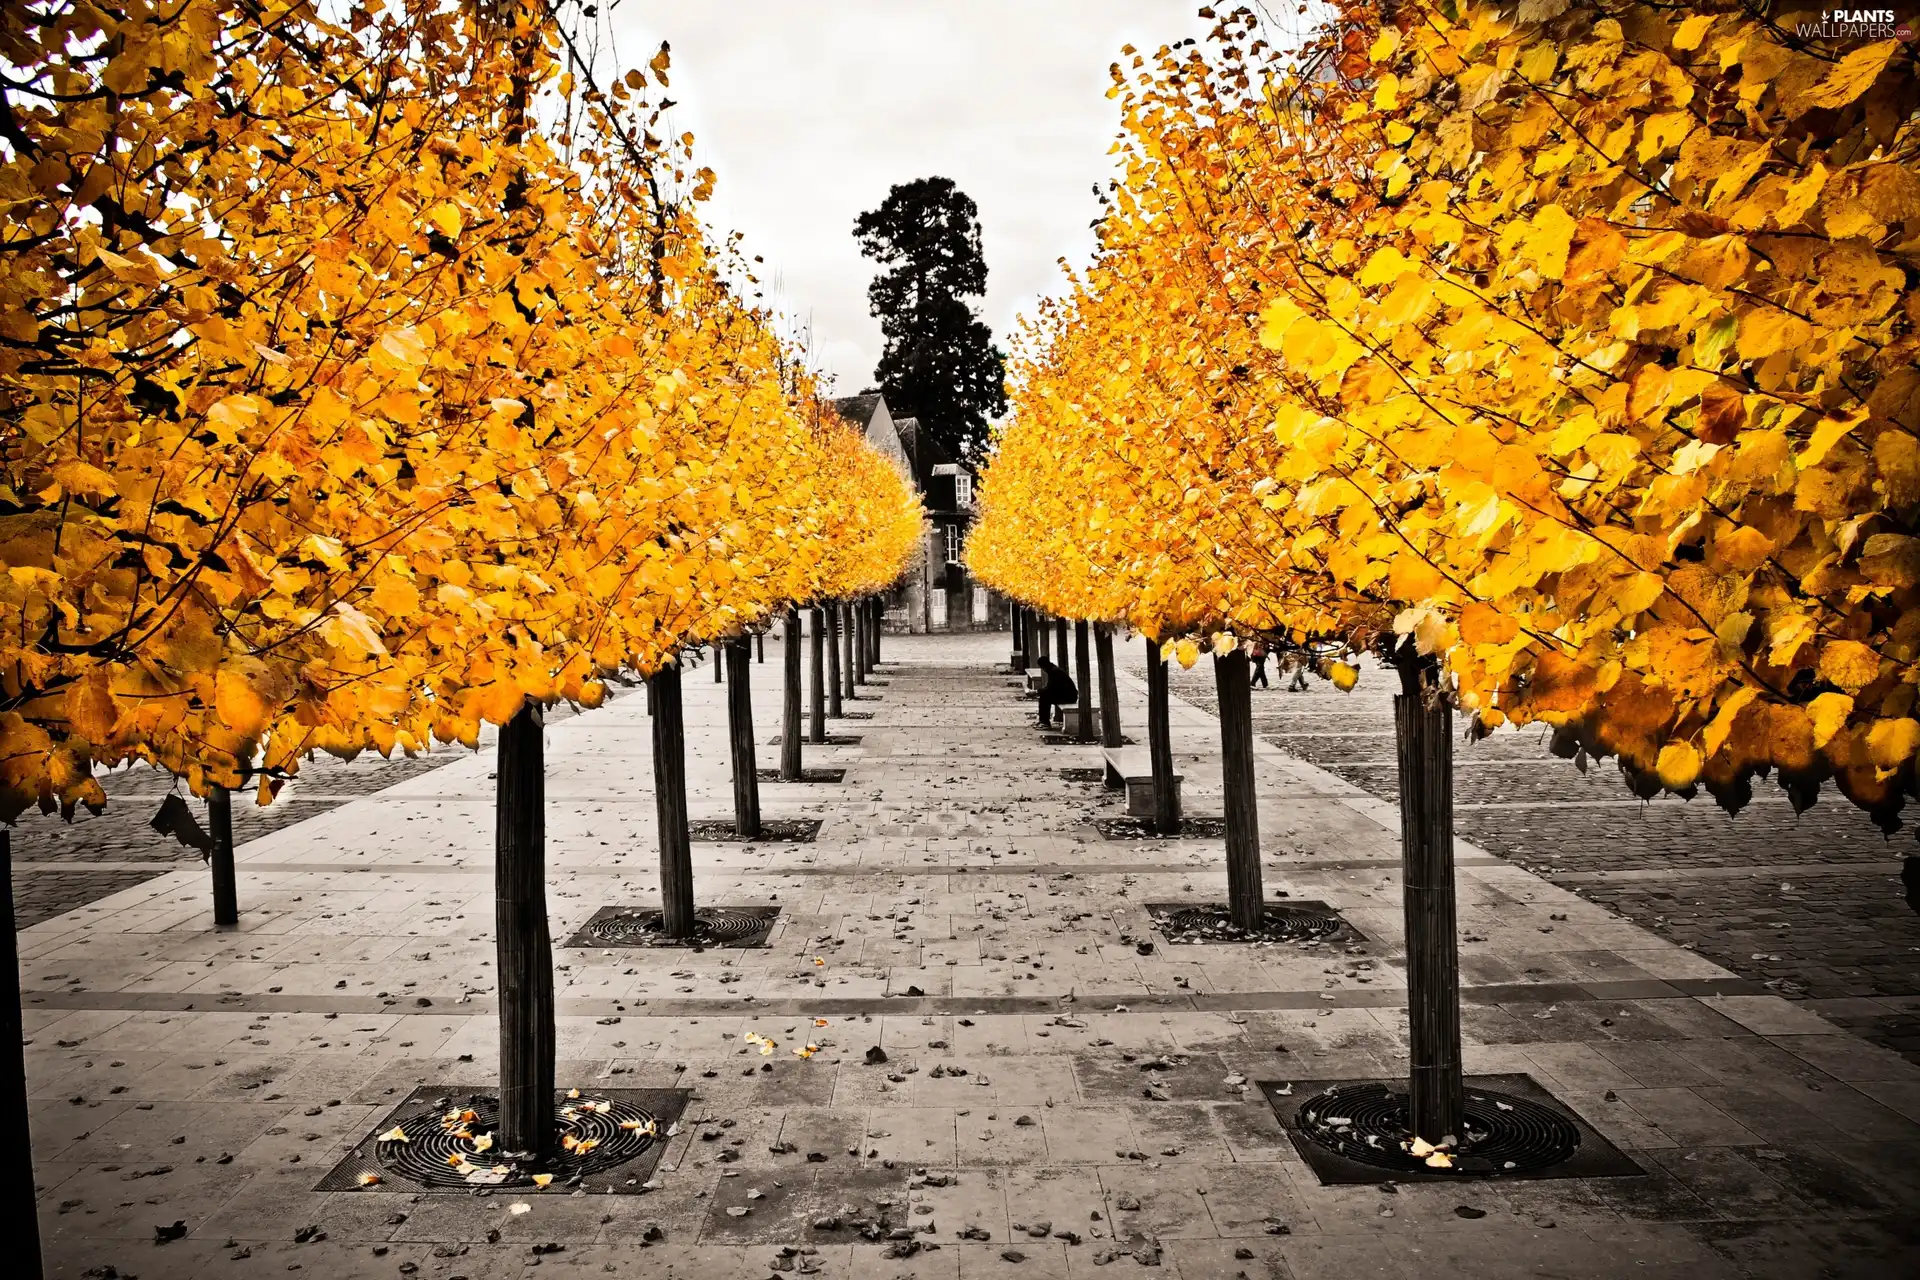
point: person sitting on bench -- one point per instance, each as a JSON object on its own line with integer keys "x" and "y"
{"x": 1057, "y": 689}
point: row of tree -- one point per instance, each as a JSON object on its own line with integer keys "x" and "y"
{"x": 1563, "y": 355}
{"x": 368, "y": 376}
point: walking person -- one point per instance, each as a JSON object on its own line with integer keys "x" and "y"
{"x": 1259, "y": 676}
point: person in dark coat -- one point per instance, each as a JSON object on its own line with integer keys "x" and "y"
{"x": 1057, "y": 689}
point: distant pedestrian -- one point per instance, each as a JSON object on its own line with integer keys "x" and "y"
{"x": 1057, "y": 689}
{"x": 1259, "y": 665}
{"x": 1299, "y": 684}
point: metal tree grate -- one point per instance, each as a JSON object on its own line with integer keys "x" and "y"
{"x": 713, "y": 927}
{"x": 1304, "y": 921}
{"x": 1083, "y": 775}
{"x": 609, "y": 1141}
{"x": 833, "y": 740}
{"x": 1062, "y": 740}
{"x": 772, "y": 831}
{"x": 806, "y": 775}
{"x": 1351, "y": 1131}
{"x": 1191, "y": 828}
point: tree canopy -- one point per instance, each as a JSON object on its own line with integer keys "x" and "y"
{"x": 939, "y": 363}
{"x": 1571, "y": 346}
{"x": 344, "y": 409}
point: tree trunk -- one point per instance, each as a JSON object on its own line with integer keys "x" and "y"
{"x": 1436, "y": 1093}
{"x": 719, "y": 665}
{"x": 1060, "y": 642}
{"x": 760, "y": 644}
{"x": 790, "y": 701}
{"x": 1244, "y": 891}
{"x": 834, "y": 708}
{"x": 846, "y": 652}
{"x": 1046, "y": 633}
{"x": 19, "y": 1215}
{"x": 746, "y": 787}
{"x": 817, "y": 691}
{"x": 879, "y": 625}
{"x": 670, "y": 804}
{"x": 862, "y": 623}
{"x": 523, "y": 949}
{"x": 1110, "y": 734}
{"x": 1083, "y": 677}
{"x": 1166, "y": 804}
{"x": 1019, "y": 659}
{"x": 226, "y": 894}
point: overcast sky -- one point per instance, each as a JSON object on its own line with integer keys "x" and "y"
{"x": 810, "y": 110}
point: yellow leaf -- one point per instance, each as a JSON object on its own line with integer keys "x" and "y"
{"x": 1412, "y": 580}
{"x": 1848, "y": 663}
{"x": 1825, "y": 435}
{"x": 1765, "y": 330}
{"x": 1549, "y": 239}
{"x": 239, "y": 704}
{"x": 1890, "y": 743}
{"x": 1343, "y": 676}
{"x": 1852, "y": 76}
{"x": 1693, "y": 30}
{"x": 89, "y": 707}
{"x": 1678, "y": 766}
{"x": 1483, "y": 624}
{"x": 85, "y": 479}
{"x": 446, "y": 217}
{"x": 1722, "y": 723}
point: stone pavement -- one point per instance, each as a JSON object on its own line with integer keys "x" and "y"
{"x": 1811, "y": 906}
{"x": 60, "y": 865}
{"x": 958, "y": 912}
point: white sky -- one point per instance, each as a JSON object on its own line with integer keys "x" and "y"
{"x": 810, "y": 110}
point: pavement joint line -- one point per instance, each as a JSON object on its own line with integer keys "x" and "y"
{"x": 183, "y": 863}
{"x": 1076, "y": 869}
{"x": 1542, "y": 993}
{"x": 1773, "y": 871}
{"x": 1662, "y": 802}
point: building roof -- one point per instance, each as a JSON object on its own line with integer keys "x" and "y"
{"x": 858, "y": 409}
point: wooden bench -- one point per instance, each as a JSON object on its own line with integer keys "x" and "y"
{"x": 1132, "y": 768}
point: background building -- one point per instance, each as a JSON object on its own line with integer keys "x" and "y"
{"x": 937, "y": 595}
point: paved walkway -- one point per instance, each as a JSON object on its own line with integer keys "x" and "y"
{"x": 958, "y": 912}
{"x": 1810, "y": 906}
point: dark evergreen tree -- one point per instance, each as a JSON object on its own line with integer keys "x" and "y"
{"x": 939, "y": 364}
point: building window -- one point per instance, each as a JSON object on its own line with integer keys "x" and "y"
{"x": 953, "y": 544}
{"x": 963, "y": 490}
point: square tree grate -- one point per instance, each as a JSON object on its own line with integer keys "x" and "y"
{"x": 856, "y": 715}
{"x": 1083, "y": 775}
{"x": 617, "y": 1137}
{"x": 1062, "y": 740}
{"x": 806, "y": 775}
{"x": 640, "y": 927}
{"x": 1191, "y": 828}
{"x": 772, "y": 831}
{"x": 1204, "y": 922}
{"x": 833, "y": 740}
{"x": 1355, "y": 1131}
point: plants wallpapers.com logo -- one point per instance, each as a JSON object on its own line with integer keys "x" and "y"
{"x": 1856, "y": 24}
